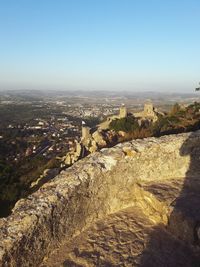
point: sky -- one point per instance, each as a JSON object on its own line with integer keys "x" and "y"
{"x": 137, "y": 45}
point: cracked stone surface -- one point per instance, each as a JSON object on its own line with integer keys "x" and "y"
{"x": 126, "y": 238}
{"x": 141, "y": 195}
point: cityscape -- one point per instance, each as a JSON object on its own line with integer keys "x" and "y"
{"x": 49, "y": 126}
{"x": 42, "y": 134}
{"x": 99, "y": 133}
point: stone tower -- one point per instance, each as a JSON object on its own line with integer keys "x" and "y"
{"x": 85, "y": 132}
{"x": 123, "y": 112}
{"x": 148, "y": 109}
{"x": 86, "y": 136}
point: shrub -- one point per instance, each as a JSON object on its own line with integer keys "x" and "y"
{"x": 128, "y": 124}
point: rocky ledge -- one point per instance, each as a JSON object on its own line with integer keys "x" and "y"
{"x": 157, "y": 176}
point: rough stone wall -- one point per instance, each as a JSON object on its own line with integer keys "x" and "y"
{"x": 100, "y": 184}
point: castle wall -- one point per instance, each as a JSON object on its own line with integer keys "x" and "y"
{"x": 85, "y": 132}
{"x": 100, "y": 184}
{"x": 123, "y": 112}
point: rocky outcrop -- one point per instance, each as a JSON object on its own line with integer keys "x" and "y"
{"x": 90, "y": 143}
{"x": 74, "y": 155}
{"x": 126, "y": 238}
{"x": 156, "y": 175}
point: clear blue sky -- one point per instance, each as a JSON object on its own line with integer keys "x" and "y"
{"x": 100, "y": 44}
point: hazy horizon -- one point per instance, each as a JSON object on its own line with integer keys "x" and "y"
{"x": 100, "y": 45}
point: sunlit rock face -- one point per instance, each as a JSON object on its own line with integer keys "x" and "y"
{"x": 125, "y": 238}
{"x": 135, "y": 204}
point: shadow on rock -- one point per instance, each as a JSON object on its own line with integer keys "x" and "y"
{"x": 178, "y": 244}
{"x": 164, "y": 250}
